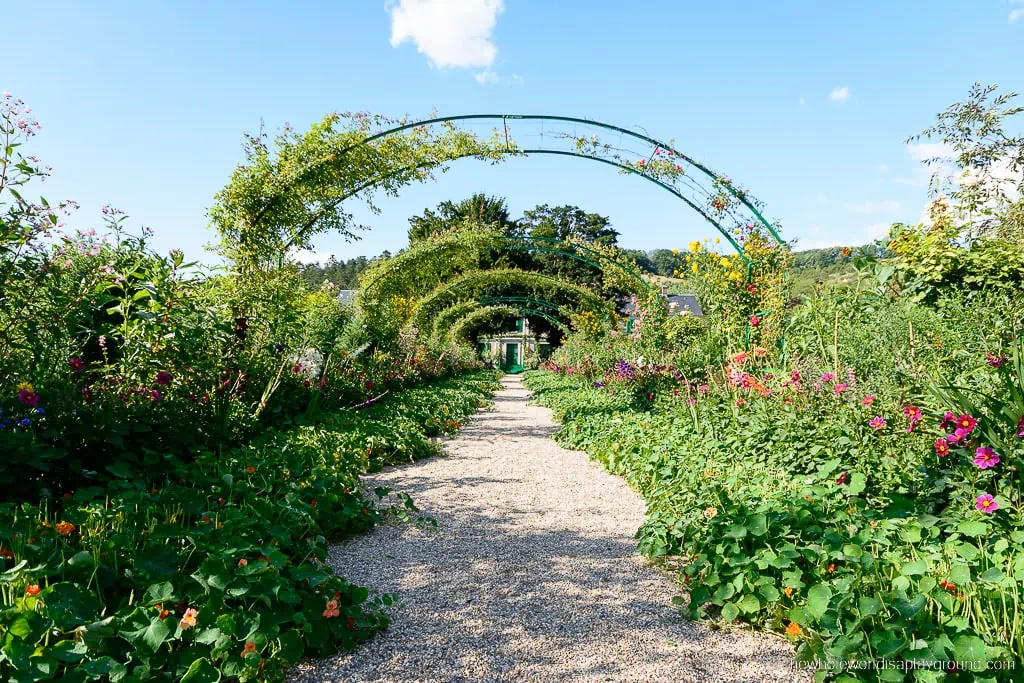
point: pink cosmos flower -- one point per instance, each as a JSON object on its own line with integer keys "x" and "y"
{"x": 986, "y": 503}
{"x": 740, "y": 402}
{"x": 958, "y": 436}
{"x": 839, "y": 388}
{"x": 827, "y": 377}
{"x": 948, "y": 420}
{"x": 869, "y": 399}
{"x": 877, "y": 423}
{"x": 985, "y": 457}
{"x": 967, "y": 423}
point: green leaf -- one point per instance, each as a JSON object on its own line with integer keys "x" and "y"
{"x": 818, "y": 597}
{"x": 68, "y": 651}
{"x": 750, "y": 604}
{"x": 852, "y": 551}
{"x": 993, "y": 575}
{"x": 960, "y": 574}
{"x": 868, "y": 607}
{"x": 972, "y": 527}
{"x": 158, "y": 593}
{"x": 730, "y": 611}
{"x": 857, "y": 483}
{"x": 970, "y": 649}
{"x": 916, "y": 568}
{"x": 151, "y": 631}
{"x": 291, "y": 647}
{"x": 201, "y": 671}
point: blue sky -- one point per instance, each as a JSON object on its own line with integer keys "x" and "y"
{"x": 804, "y": 103}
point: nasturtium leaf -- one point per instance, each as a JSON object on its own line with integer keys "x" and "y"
{"x": 915, "y": 568}
{"x": 818, "y": 597}
{"x": 972, "y": 527}
{"x": 730, "y": 611}
{"x": 201, "y": 671}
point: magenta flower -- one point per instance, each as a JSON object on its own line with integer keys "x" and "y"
{"x": 941, "y": 447}
{"x": 163, "y": 378}
{"x": 841, "y": 479}
{"x": 995, "y": 361}
{"x": 985, "y": 457}
{"x": 913, "y": 413}
{"x": 839, "y": 388}
{"x": 739, "y": 402}
{"x": 869, "y": 399}
{"x": 87, "y": 394}
{"x": 958, "y": 436}
{"x": 877, "y": 423}
{"x": 967, "y": 423}
{"x": 76, "y": 364}
{"x": 986, "y": 503}
{"x": 948, "y": 420}
{"x": 827, "y": 377}
{"x": 156, "y": 395}
{"x": 29, "y": 398}
{"x": 754, "y": 321}
{"x": 1020, "y": 427}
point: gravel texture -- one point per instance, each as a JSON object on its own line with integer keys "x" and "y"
{"x": 532, "y": 574}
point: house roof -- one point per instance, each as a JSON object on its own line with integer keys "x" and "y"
{"x": 677, "y": 303}
{"x": 346, "y": 296}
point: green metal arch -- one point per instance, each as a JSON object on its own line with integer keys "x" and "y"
{"x": 425, "y": 312}
{"x": 505, "y": 118}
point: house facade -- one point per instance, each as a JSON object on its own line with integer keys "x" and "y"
{"x": 510, "y": 349}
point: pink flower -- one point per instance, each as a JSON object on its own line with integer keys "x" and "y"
{"x": 76, "y": 364}
{"x": 868, "y": 400}
{"x": 913, "y": 413}
{"x": 957, "y": 437}
{"x": 827, "y": 377}
{"x": 703, "y": 389}
{"x": 877, "y": 423}
{"x": 839, "y": 388}
{"x": 754, "y": 321}
{"x": 967, "y": 423}
{"x": 163, "y": 378}
{"x": 941, "y": 447}
{"x": 739, "y": 402}
{"x": 995, "y": 361}
{"x": 986, "y": 503}
{"x": 841, "y": 479}
{"x": 87, "y": 394}
{"x": 985, "y": 457}
{"x": 948, "y": 420}
{"x": 29, "y": 398}
{"x": 1020, "y": 427}
{"x": 156, "y": 395}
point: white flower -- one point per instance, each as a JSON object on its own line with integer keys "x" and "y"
{"x": 968, "y": 177}
{"x": 310, "y": 362}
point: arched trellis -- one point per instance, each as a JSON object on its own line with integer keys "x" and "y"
{"x": 472, "y": 284}
{"x": 634, "y": 152}
{"x": 445, "y": 320}
{"x": 455, "y": 243}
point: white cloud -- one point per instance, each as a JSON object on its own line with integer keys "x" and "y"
{"x": 1017, "y": 14}
{"x": 305, "y": 257}
{"x": 802, "y": 101}
{"x": 486, "y": 77}
{"x": 882, "y": 168}
{"x": 840, "y": 94}
{"x": 877, "y": 231}
{"x": 451, "y": 33}
{"x": 885, "y": 206}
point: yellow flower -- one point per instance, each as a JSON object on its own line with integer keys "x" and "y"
{"x": 733, "y": 275}
{"x": 675, "y": 251}
{"x": 725, "y": 262}
{"x": 694, "y": 267}
{"x": 25, "y": 386}
{"x": 694, "y": 246}
{"x": 718, "y": 240}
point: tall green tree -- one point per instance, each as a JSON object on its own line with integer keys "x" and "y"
{"x": 561, "y": 223}
{"x": 488, "y": 211}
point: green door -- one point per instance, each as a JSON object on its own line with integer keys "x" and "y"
{"x": 512, "y": 358}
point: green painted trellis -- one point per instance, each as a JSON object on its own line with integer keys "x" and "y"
{"x": 685, "y": 182}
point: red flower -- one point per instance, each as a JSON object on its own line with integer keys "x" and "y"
{"x": 29, "y": 398}
{"x": 941, "y": 447}
{"x": 841, "y": 479}
{"x": 966, "y": 423}
{"x": 33, "y": 590}
{"x": 754, "y": 321}
{"x": 87, "y": 394}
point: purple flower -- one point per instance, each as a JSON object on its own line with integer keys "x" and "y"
{"x": 156, "y": 395}
{"x": 25, "y": 422}
{"x": 958, "y": 436}
{"x": 29, "y": 398}
{"x": 1020, "y": 427}
{"x": 598, "y": 384}
{"x": 985, "y": 457}
{"x": 163, "y": 378}
{"x": 986, "y": 503}
{"x": 995, "y": 361}
{"x": 76, "y": 364}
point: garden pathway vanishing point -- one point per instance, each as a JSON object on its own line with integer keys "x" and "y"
{"x": 532, "y": 574}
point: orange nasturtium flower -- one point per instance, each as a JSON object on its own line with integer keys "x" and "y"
{"x": 190, "y": 619}
{"x": 33, "y": 590}
{"x": 788, "y": 591}
{"x": 65, "y": 528}
{"x": 793, "y": 629}
{"x": 250, "y": 646}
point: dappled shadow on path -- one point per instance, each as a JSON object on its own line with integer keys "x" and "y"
{"x": 532, "y": 575}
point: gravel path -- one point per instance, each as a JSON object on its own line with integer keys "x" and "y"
{"x": 532, "y": 575}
